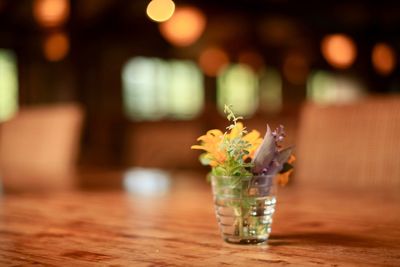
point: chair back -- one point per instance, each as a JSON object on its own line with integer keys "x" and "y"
{"x": 350, "y": 145}
{"x": 39, "y": 147}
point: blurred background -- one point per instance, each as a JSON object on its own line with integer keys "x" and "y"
{"x": 113, "y": 84}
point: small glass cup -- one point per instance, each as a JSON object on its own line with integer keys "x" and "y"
{"x": 244, "y": 206}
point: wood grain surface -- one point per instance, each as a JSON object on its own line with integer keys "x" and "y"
{"x": 312, "y": 227}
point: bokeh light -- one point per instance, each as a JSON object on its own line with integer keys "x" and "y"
{"x": 154, "y": 89}
{"x": 238, "y": 85}
{"x": 160, "y": 10}
{"x": 146, "y": 182}
{"x": 212, "y": 60}
{"x": 339, "y": 50}
{"x": 383, "y": 58}
{"x": 56, "y": 46}
{"x": 184, "y": 27}
{"x": 270, "y": 91}
{"x": 329, "y": 88}
{"x": 296, "y": 68}
{"x": 51, "y": 13}
{"x": 8, "y": 85}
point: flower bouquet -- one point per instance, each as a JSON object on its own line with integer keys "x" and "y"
{"x": 245, "y": 169}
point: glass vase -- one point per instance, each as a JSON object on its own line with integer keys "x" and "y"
{"x": 244, "y": 207}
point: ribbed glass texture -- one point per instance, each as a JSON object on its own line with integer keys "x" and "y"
{"x": 244, "y": 207}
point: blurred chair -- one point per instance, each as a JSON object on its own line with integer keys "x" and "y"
{"x": 350, "y": 145}
{"x": 39, "y": 147}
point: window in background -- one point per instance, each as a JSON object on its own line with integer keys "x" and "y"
{"x": 8, "y": 84}
{"x": 270, "y": 91}
{"x": 237, "y": 85}
{"x": 186, "y": 93}
{"x": 328, "y": 88}
{"x": 145, "y": 90}
{"x": 155, "y": 89}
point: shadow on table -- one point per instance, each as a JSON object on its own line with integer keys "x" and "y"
{"x": 321, "y": 238}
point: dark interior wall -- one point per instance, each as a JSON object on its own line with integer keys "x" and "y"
{"x": 105, "y": 34}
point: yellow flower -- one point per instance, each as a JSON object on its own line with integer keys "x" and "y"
{"x": 253, "y": 138}
{"x": 215, "y": 153}
{"x": 236, "y": 130}
{"x": 291, "y": 159}
{"x": 255, "y": 141}
{"x": 283, "y": 178}
{"x": 211, "y": 143}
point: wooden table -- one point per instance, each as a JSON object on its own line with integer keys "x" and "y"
{"x": 114, "y": 228}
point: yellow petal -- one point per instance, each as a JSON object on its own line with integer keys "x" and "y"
{"x": 283, "y": 178}
{"x": 215, "y": 132}
{"x": 213, "y": 163}
{"x": 212, "y": 135}
{"x": 292, "y": 159}
{"x": 198, "y": 147}
{"x": 201, "y": 138}
{"x": 236, "y": 130}
{"x": 252, "y": 136}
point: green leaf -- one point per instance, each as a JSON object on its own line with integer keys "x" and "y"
{"x": 203, "y": 160}
{"x": 219, "y": 171}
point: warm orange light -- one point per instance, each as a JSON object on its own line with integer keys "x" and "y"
{"x": 56, "y": 47}
{"x": 252, "y": 59}
{"x": 160, "y": 10}
{"x": 383, "y": 58}
{"x": 212, "y": 60}
{"x": 184, "y": 27}
{"x": 339, "y": 50}
{"x": 51, "y": 13}
{"x": 295, "y": 68}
